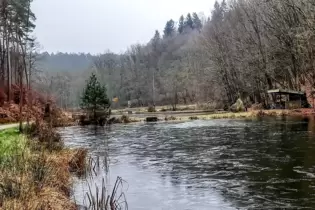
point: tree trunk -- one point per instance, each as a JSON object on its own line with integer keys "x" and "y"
{"x": 21, "y": 99}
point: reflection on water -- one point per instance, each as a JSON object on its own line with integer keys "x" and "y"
{"x": 218, "y": 164}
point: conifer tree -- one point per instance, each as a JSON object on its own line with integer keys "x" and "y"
{"x": 94, "y": 97}
{"x": 181, "y": 24}
{"x": 189, "y": 22}
{"x": 197, "y": 22}
{"x": 169, "y": 29}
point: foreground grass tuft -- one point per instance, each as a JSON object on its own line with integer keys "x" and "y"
{"x": 35, "y": 172}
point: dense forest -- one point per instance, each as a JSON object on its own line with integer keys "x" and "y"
{"x": 17, "y": 47}
{"x": 64, "y": 62}
{"x": 243, "y": 49}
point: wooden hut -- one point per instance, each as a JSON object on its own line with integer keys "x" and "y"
{"x": 287, "y": 99}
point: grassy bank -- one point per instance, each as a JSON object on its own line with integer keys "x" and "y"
{"x": 35, "y": 170}
{"x": 11, "y": 143}
{"x": 232, "y": 115}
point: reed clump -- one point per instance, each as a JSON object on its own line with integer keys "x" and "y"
{"x": 100, "y": 196}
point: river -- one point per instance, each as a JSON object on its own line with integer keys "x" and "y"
{"x": 215, "y": 164}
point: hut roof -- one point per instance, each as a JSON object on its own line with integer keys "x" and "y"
{"x": 284, "y": 91}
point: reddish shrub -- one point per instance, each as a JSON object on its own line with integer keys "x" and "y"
{"x": 16, "y": 93}
{"x": 3, "y": 97}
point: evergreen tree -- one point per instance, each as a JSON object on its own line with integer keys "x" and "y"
{"x": 157, "y": 35}
{"x": 189, "y": 22}
{"x": 156, "y": 41}
{"x": 181, "y": 24}
{"x": 197, "y": 22}
{"x": 217, "y": 13}
{"x": 94, "y": 97}
{"x": 169, "y": 28}
{"x": 22, "y": 16}
{"x": 224, "y": 7}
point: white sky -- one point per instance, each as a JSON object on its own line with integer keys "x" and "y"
{"x": 97, "y": 25}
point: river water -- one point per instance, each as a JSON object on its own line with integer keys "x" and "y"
{"x": 215, "y": 164}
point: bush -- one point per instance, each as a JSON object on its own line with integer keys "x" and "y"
{"x": 257, "y": 107}
{"x": 171, "y": 118}
{"x": 209, "y": 106}
{"x": 3, "y": 97}
{"x": 151, "y": 109}
{"x": 125, "y": 119}
{"x": 193, "y": 118}
{"x": 48, "y": 137}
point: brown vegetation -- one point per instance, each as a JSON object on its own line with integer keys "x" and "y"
{"x": 9, "y": 113}
{"x": 171, "y": 118}
{"x": 40, "y": 178}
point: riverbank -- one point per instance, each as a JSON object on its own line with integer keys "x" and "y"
{"x": 253, "y": 114}
{"x": 35, "y": 169}
{"x": 187, "y": 116}
{"x": 10, "y": 114}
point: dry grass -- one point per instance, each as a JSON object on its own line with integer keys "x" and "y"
{"x": 171, "y": 118}
{"x": 39, "y": 175}
{"x": 44, "y": 182}
{"x": 126, "y": 119}
{"x": 232, "y": 115}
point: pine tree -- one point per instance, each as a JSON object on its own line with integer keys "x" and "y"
{"x": 217, "y": 13}
{"x": 197, "y": 22}
{"x": 224, "y": 7}
{"x": 189, "y": 22}
{"x": 156, "y": 41}
{"x": 169, "y": 28}
{"x": 157, "y": 35}
{"x": 181, "y": 24}
{"x": 94, "y": 97}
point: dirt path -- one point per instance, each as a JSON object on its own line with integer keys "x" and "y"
{"x": 3, "y": 127}
{"x": 13, "y": 125}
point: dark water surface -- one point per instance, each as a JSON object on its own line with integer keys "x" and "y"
{"x": 218, "y": 164}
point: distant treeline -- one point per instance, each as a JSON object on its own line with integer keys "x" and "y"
{"x": 243, "y": 49}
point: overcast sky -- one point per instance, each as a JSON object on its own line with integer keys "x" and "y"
{"x": 97, "y": 25}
